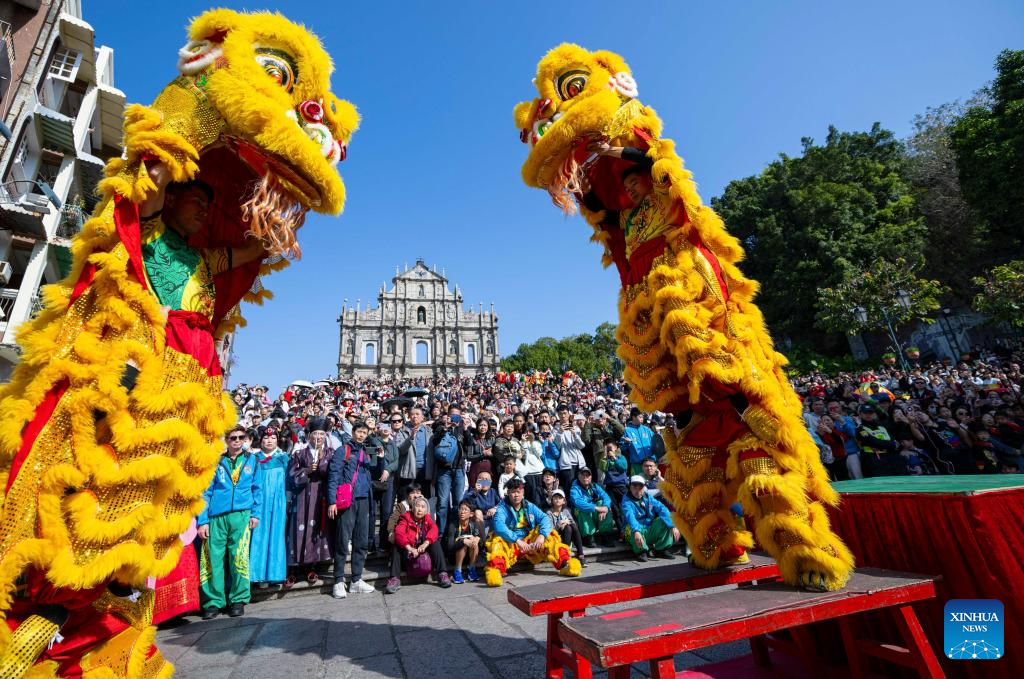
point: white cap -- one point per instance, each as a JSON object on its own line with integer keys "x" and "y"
{"x": 558, "y": 491}
{"x": 636, "y": 478}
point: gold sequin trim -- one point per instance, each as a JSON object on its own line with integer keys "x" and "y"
{"x": 758, "y": 465}
{"x": 785, "y": 539}
{"x": 691, "y": 455}
{"x": 764, "y": 425}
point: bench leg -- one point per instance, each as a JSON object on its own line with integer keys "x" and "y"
{"x": 913, "y": 636}
{"x": 759, "y": 651}
{"x": 554, "y": 666}
{"x": 662, "y": 668}
{"x": 805, "y": 643}
{"x": 853, "y": 656}
{"x": 620, "y": 672}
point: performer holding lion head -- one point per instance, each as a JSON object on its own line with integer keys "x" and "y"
{"x": 112, "y": 424}
{"x": 692, "y": 339}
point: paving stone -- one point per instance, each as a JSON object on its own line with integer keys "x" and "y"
{"x": 216, "y": 648}
{"x": 721, "y": 652}
{"x": 288, "y": 635}
{"x": 353, "y": 639}
{"x": 174, "y": 647}
{"x": 280, "y": 664}
{"x": 432, "y": 653}
{"x": 417, "y": 616}
{"x": 379, "y": 667}
{"x": 481, "y": 623}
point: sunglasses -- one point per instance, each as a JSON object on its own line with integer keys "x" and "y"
{"x": 236, "y": 437}
{"x": 397, "y": 421}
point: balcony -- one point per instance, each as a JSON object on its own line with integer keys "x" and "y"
{"x": 23, "y": 204}
{"x": 72, "y": 218}
{"x": 7, "y": 298}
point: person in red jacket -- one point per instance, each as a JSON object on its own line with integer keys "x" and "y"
{"x": 417, "y": 534}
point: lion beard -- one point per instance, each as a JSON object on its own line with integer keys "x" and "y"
{"x": 274, "y": 217}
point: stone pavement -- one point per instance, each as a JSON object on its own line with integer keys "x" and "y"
{"x": 422, "y": 631}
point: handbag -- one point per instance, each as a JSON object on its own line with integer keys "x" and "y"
{"x": 343, "y": 500}
{"x": 420, "y": 567}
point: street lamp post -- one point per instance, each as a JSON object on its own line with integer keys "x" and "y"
{"x": 904, "y": 300}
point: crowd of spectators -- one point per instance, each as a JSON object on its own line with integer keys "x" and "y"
{"x": 428, "y": 462}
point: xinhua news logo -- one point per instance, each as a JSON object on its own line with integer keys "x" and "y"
{"x": 974, "y": 629}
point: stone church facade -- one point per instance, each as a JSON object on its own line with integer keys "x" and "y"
{"x": 419, "y": 328}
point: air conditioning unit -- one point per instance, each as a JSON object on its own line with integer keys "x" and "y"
{"x": 6, "y": 271}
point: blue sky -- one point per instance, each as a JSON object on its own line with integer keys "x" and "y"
{"x": 434, "y": 170}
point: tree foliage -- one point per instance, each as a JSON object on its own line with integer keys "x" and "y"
{"x": 586, "y": 354}
{"x": 876, "y": 291}
{"x": 813, "y": 221}
{"x": 988, "y": 140}
{"x": 1001, "y": 294}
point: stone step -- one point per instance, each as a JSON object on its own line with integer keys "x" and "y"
{"x": 376, "y": 572}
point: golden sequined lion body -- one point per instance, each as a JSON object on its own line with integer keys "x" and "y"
{"x": 692, "y": 339}
{"x": 100, "y": 475}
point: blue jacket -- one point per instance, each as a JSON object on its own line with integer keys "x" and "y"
{"x": 640, "y": 514}
{"x": 589, "y": 501}
{"x": 639, "y": 447}
{"x": 223, "y": 496}
{"x": 550, "y": 454}
{"x": 617, "y": 473}
{"x": 342, "y": 471}
{"x": 848, "y": 427}
{"x": 483, "y": 501}
{"x": 505, "y": 522}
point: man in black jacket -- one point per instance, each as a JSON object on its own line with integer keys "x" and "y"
{"x": 880, "y": 450}
{"x": 450, "y": 474}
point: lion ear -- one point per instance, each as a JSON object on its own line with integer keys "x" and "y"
{"x": 610, "y": 61}
{"x": 214, "y": 25}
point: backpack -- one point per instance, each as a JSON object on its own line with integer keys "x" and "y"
{"x": 447, "y": 449}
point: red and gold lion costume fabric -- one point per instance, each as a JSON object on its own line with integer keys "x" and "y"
{"x": 692, "y": 339}
{"x": 101, "y": 474}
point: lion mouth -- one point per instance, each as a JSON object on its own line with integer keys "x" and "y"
{"x": 256, "y": 193}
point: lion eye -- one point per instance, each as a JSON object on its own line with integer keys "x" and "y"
{"x": 571, "y": 83}
{"x": 279, "y": 65}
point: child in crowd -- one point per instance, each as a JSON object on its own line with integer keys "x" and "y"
{"x": 483, "y": 499}
{"x": 616, "y": 476}
{"x": 508, "y": 472}
{"x": 565, "y": 524}
{"x": 462, "y": 542}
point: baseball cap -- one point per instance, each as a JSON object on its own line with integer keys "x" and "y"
{"x": 868, "y": 408}
{"x": 584, "y": 470}
{"x": 558, "y": 491}
{"x": 636, "y": 478}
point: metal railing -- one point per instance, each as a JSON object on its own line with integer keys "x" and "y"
{"x": 7, "y": 299}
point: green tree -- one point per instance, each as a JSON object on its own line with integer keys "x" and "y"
{"x": 988, "y": 141}
{"x": 881, "y": 297}
{"x": 811, "y": 221}
{"x": 1002, "y": 294}
{"x": 588, "y": 355}
{"x": 952, "y": 226}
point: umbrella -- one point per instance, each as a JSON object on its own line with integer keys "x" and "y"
{"x": 400, "y": 401}
{"x": 413, "y": 392}
{"x": 322, "y": 383}
{"x": 301, "y": 383}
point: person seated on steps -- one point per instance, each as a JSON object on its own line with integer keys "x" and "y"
{"x": 647, "y": 522}
{"x": 416, "y": 536}
{"x": 592, "y": 509}
{"x": 523, "y": 530}
{"x": 462, "y": 542}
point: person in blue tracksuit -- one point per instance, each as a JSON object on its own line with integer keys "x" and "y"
{"x": 647, "y": 523}
{"x": 592, "y": 509}
{"x": 233, "y": 508}
{"x": 637, "y": 442}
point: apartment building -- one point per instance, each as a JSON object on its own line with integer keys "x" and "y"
{"x": 60, "y": 119}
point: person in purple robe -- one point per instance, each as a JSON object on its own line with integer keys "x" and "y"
{"x": 310, "y": 531}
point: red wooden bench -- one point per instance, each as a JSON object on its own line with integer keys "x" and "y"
{"x": 655, "y": 633}
{"x": 574, "y": 597}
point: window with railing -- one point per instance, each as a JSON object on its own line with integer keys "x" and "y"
{"x": 72, "y": 218}
{"x": 65, "y": 63}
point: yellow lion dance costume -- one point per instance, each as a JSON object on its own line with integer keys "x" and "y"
{"x": 693, "y": 342}
{"x": 101, "y": 473}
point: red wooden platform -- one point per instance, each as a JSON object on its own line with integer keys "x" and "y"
{"x": 574, "y": 597}
{"x": 655, "y": 633}
{"x": 967, "y": 529}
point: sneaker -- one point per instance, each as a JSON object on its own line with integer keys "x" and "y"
{"x": 361, "y": 586}
{"x": 662, "y": 554}
{"x": 210, "y": 613}
{"x": 393, "y": 585}
{"x": 457, "y": 578}
{"x": 236, "y": 610}
{"x": 583, "y": 561}
{"x": 642, "y": 557}
{"x": 443, "y": 580}
{"x": 473, "y": 575}
{"x": 338, "y": 591}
